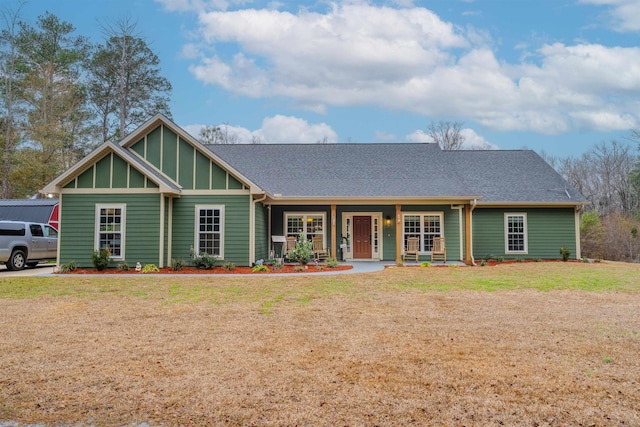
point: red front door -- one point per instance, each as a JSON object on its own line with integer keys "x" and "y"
{"x": 362, "y": 237}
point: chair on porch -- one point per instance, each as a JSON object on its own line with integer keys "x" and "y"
{"x": 319, "y": 252}
{"x": 438, "y": 251}
{"x": 292, "y": 241}
{"x": 412, "y": 249}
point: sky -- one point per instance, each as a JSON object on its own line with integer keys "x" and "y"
{"x": 554, "y": 76}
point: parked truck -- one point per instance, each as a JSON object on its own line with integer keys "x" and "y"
{"x": 25, "y": 244}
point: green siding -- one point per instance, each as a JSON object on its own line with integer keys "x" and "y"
{"x": 547, "y": 231}
{"x": 85, "y": 180}
{"x": 136, "y": 179}
{"x": 169, "y": 147}
{"x": 120, "y": 173}
{"x": 203, "y": 167}
{"x": 185, "y": 177}
{"x": 234, "y": 184}
{"x": 154, "y": 146}
{"x": 218, "y": 178}
{"x": 138, "y": 147}
{"x": 236, "y": 226}
{"x": 103, "y": 172}
{"x": 142, "y": 228}
{"x": 262, "y": 243}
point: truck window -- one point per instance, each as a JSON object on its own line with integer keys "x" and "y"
{"x": 12, "y": 230}
{"x": 36, "y": 230}
{"x": 50, "y": 232}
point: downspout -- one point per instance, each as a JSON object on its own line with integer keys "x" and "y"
{"x": 252, "y": 229}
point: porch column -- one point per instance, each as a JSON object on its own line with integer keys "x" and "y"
{"x": 334, "y": 249}
{"x": 468, "y": 258}
{"x": 399, "y": 243}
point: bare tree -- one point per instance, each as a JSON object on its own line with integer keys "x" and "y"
{"x": 217, "y": 135}
{"x": 8, "y": 69}
{"x": 447, "y": 134}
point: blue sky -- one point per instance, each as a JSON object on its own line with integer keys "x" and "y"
{"x": 558, "y": 76}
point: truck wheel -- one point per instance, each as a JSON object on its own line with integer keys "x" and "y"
{"x": 17, "y": 260}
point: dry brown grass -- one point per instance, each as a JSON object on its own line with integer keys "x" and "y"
{"x": 362, "y": 350}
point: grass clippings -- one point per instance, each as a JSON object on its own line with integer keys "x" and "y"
{"x": 521, "y": 344}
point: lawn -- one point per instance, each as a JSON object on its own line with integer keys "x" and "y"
{"x": 516, "y": 344}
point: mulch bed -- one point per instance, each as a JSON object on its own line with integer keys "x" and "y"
{"x": 218, "y": 270}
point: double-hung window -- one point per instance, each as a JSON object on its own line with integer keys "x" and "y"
{"x": 311, "y": 224}
{"x": 424, "y": 226}
{"x": 515, "y": 233}
{"x": 210, "y": 230}
{"x": 110, "y": 222}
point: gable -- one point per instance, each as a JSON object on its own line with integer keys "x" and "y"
{"x": 111, "y": 171}
{"x": 190, "y": 166}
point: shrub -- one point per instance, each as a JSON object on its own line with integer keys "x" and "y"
{"x": 303, "y": 250}
{"x": 332, "y": 263}
{"x": 585, "y": 259}
{"x": 68, "y": 267}
{"x": 483, "y": 263}
{"x": 203, "y": 261}
{"x": 229, "y": 266}
{"x": 150, "y": 268}
{"x": 500, "y": 259}
{"x": 565, "y": 253}
{"x": 101, "y": 259}
{"x": 260, "y": 268}
{"x": 177, "y": 264}
{"x": 123, "y": 266}
{"x": 425, "y": 264}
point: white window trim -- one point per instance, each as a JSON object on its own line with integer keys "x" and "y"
{"x": 196, "y": 243}
{"x": 123, "y": 226}
{"x": 305, "y": 215}
{"x": 348, "y": 251}
{"x": 506, "y": 232}
{"x": 422, "y": 214}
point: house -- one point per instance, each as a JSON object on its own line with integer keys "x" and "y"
{"x": 160, "y": 193}
{"x": 44, "y": 211}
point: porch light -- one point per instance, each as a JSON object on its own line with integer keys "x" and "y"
{"x": 387, "y": 221}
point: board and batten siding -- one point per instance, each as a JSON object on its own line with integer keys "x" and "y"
{"x": 547, "y": 231}
{"x": 236, "y": 226}
{"x": 184, "y": 163}
{"x": 78, "y": 227}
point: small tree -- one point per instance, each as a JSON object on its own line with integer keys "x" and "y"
{"x": 303, "y": 250}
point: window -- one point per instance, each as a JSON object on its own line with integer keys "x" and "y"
{"x": 110, "y": 229}
{"x": 36, "y": 230}
{"x": 209, "y": 229}
{"x": 516, "y": 233}
{"x": 312, "y": 224}
{"x": 424, "y": 226}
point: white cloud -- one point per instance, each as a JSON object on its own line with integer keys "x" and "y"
{"x": 624, "y": 14}
{"x": 408, "y": 59}
{"x": 277, "y": 130}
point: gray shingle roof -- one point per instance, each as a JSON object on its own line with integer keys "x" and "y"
{"x": 397, "y": 170}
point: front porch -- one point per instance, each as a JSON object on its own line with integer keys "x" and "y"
{"x": 365, "y": 233}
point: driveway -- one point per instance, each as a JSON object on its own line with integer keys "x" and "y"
{"x": 39, "y": 270}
